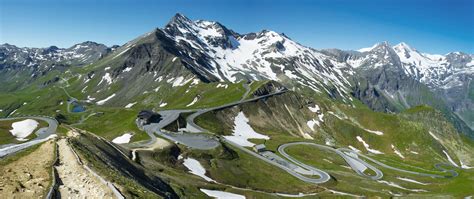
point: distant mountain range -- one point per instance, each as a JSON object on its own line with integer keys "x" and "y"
{"x": 386, "y": 78}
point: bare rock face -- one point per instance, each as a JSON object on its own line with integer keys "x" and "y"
{"x": 268, "y": 88}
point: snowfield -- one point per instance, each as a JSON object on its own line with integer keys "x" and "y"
{"x": 107, "y": 78}
{"x": 222, "y": 194}
{"x": 317, "y": 121}
{"x": 193, "y": 102}
{"x": 23, "y": 129}
{"x": 367, "y": 146}
{"x": 314, "y": 109}
{"x": 397, "y": 152}
{"x": 243, "y": 131}
{"x": 311, "y": 124}
{"x": 222, "y": 86}
{"x": 449, "y": 159}
{"x": 196, "y": 168}
{"x": 123, "y": 139}
{"x": 434, "y": 136}
{"x": 465, "y": 166}
{"x": 392, "y": 184}
{"x": 374, "y": 132}
{"x": 130, "y": 105}
{"x": 413, "y": 181}
{"x": 102, "y": 102}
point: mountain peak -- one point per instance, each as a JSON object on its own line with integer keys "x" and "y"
{"x": 402, "y": 46}
{"x": 179, "y": 18}
{"x": 383, "y": 44}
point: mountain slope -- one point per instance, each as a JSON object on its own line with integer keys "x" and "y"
{"x": 384, "y": 77}
{"x": 396, "y": 78}
{"x": 21, "y": 66}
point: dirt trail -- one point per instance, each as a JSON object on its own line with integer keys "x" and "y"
{"x": 77, "y": 182}
{"x": 29, "y": 176}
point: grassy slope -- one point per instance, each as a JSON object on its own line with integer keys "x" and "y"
{"x": 404, "y": 133}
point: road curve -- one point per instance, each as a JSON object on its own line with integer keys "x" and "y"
{"x": 206, "y": 142}
{"x": 437, "y": 166}
{"x": 194, "y": 140}
{"x": 353, "y": 161}
{"x": 194, "y": 128}
{"x": 323, "y": 176}
{"x": 43, "y": 135}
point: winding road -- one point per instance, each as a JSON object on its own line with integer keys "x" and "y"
{"x": 358, "y": 165}
{"x": 192, "y": 127}
{"x": 198, "y": 140}
{"x": 43, "y": 134}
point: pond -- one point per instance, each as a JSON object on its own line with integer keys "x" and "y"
{"x": 77, "y": 108}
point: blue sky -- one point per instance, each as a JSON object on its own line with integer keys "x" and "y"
{"x": 435, "y": 26}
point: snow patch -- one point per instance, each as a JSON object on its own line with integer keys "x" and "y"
{"x": 102, "y": 102}
{"x": 196, "y": 168}
{"x": 368, "y": 48}
{"x": 374, "y": 132}
{"x": 343, "y": 193}
{"x": 123, "y": 139}
{"x": 367, "y": 146}
{"x": 163, "y": 104}
{"x": 465, "y": 166}
{"x": 314, "y": 109}
{"x": 311, "y": 124}
{"x": 177, "y": 81}
{"x": 221, "y": 194}
{"x": 128, "y": 69}
{"x": 434, "y": 136}
{"x": 106, "y": 78}
{"x": 193, "y": 102}
{"x": 130, "y": 105}
{"x": 392, "y": 184}
{"x": 222, "y": 86}
{"x": 397, "y": 152}
{"x": 449, "y": 159}
{"x": 243, "y": 131}
{"x": 23, "y": 129}
{"x": 413, "y": 181}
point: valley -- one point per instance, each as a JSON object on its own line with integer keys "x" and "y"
{"x": 197, "y": 110}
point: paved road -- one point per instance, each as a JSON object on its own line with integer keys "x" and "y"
{"x": 192, "y": 127}
{"x": 43, "y": 134}
{"x": 196, "y": 140}
{"x": 438, "y": 166}
{"x": 205, "y": 142}
{"x": 323, "y": 176}
{"x": 353, "y": 161}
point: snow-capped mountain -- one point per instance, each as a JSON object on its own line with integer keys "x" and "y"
{"x": 221, "y": 54}
{"x": 447, "y": 76}
{"x": 21, "y": 66}
{"x": 79, "y": 54}
{"x": 436, "y": 71}
{"x": 386, "y": 78}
